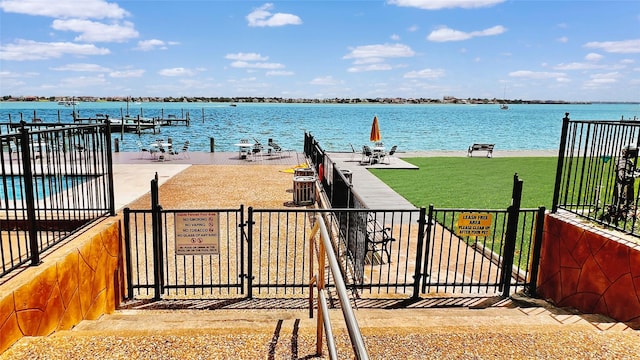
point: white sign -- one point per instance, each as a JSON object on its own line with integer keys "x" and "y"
{"x": 197, "y": 233}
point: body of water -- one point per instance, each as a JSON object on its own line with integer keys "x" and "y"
{"x": 338, "y": 126}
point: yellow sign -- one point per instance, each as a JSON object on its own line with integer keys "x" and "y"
{"x": 474, "y": 224}
{"x": 197, "y": 233}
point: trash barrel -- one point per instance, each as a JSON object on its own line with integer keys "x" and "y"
{"x": 303, "y": 190}
{"x": 303, "y": 172}
{"x": 348, "y": 175}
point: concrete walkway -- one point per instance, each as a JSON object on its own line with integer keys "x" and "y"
{"x": 375, "y": 193}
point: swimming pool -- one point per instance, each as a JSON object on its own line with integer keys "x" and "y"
{"x": 13, "y": 187}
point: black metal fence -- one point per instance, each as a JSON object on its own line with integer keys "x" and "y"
{"x": 268, "y": 252}
{"x": 55, "y": 180}
{"x": 336, "y": 182}
{"x": 596, "y": 171}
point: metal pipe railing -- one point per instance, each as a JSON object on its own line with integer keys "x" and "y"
{"x": 326, "y": 253}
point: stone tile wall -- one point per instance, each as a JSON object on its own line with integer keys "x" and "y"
{"x": 81, "y": 280}
{"x": 589, "y": 269}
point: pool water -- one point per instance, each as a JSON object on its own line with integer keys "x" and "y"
{"x": 12, "y": 187}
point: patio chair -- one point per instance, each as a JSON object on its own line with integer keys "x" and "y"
{"x": 185, "y": 150}
{"x": 367, "y": 155}
{"x": 162, "y": 156}
{"x": 353, "y": 152}
{"x": 257, "y": 150}
{"x": 389, "y": 154}
{"x": 144, "y": 150}
{"x": 275, "y": 148}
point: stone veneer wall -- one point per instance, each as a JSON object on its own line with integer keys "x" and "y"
{"x": 81, "y": 280}
{"x": 590, "y": 270}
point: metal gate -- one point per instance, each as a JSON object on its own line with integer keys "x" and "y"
{"x": 382, "y": 253}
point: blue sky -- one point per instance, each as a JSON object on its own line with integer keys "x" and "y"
{"x": 532, "y": 50}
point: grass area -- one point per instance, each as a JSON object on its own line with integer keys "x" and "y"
{"x": 482, "y": 183}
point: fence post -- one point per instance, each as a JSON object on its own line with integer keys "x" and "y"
{"x": 250, "y": 253}
{"x": 561, "y": 151}
{"x": 241, "y": 226}
{"x": 425, "y": 266}
{"x": 531, "y": 288}
{"x": 156, "y": 239}
{"x": 29, "y": 195}
{"x": 127, "y": 250}
{"x": 422, "y": 224}
{"x": 512, "y": 233}
{"x": 112, "y": 195}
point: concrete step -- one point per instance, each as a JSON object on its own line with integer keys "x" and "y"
{"x": 532, "y": 331}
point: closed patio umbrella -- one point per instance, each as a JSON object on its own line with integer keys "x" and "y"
{"x": 375, "y": 130}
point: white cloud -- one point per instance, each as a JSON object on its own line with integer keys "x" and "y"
{"x": 602, "y": 80}
{"x": 577, "y": 66}
{"x": 425, "y": 74}
{"x": 395, "y": 37}
{"x": 446, "y": 34}
{"x": 279, "y": 73}
{"x": 444, "y": 4}
{"x": 593, "y": 57}
{"x": 620, "y": 47}
{"x": 563, "y": 39}
{"x": 92, "y": 31}
{"x": 537, "y": 75}
{"x": 380, "y": 51}
{"x": 154, "y": 44}
{"x": 23, "y": 50}
{"x": 325, "y": 80}
{"x": 262, "y": 17}
{"x": 178, "y": 71}
{"x": 372, "y": 57}
{"x": 84, "y": 81}
{"x": 246, "y": 57}
{"x": 9, "y": 74}
{"x": 370, "y": 67}
{"x": 84, "y": 9}
{"x": 81, "y": 67}
{"x": 256, "y": 65}
{"x": 413, "y": 28}
{"x": 127, "y": 73}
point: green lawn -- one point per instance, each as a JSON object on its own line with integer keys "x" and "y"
{"x": 481, "y": 183}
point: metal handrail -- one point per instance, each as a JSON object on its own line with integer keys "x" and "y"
{"x": 326, "y": 253}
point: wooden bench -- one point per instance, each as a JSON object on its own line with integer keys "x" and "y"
{"x": 378, "y": 239}
{"x": 481, "y": 147}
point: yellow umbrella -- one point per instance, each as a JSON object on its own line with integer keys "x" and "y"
{"x": 375, "y": 130}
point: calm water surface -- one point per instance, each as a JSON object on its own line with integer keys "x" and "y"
{"x": 337, "y": 126}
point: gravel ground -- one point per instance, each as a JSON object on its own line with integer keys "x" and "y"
{"x": 389, "y": 343}
{"x": 225, "y": 186}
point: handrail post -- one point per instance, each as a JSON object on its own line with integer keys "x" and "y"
{"x": 320, "y": 282}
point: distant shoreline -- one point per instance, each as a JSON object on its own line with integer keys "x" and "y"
{"x": 276, "y": 100}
